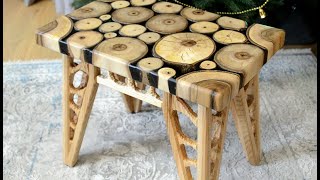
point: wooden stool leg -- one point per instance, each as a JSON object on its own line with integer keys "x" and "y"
{"x": 210, "y": 138}
{"x": 245, "y": 111}
{"x": 76, "y": 113}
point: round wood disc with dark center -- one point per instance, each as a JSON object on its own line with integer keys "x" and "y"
{"x": 105, "y": 17}
{"x": 87, "y": 24}
{"x": 120, "y": 4}
{"x": 166, "y": 7}
{"x": 196, "y": 15}
{"x": 204, "y": 27}
{"x": 184, "y": 48}
{"x": 208, "y": 65}
{"x": 229, "y": 37}
{"x": 142, "y": 2}
{"x": 149, "y": 37}
{"x": 110, "y": 35}
{"x": 167, "y": 23}
{"x": 132, "y": 15}
{"x": 232, "y": 23}
{"x": 93, "y": 9}
{"x": 110, "y": 27}
{"x": 132, "y": 30}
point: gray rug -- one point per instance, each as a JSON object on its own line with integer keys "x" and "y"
{"x": 119, "y": 145}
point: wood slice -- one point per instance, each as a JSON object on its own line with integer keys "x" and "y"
{"x": 93, "y": 9}
{"x": 208, "y": 65}
{"x": 232, "y": 23}
{"x": 229, "y": 37}
{"x": 196, "y": 15}
{"x": 87, "y": 24}
{"x": 105, "y": 17}
{"x": 142, "y": 2}
{"x": 132, "y": 15}
{"x": 204, "y": 27}
{"x": 110, "y": 27}
{"x": 80, "y": 40}
{"x": 117, "y": 53}
{"x": 147, "y": 65}
{"x": 108, "y": 1}
{"x": 167, "y": 8}
{"x": 164, "y": 74}
{"x": 167, "y": 23}
{"x": 110, "y": 35}
{"x": 245, "y": 59}
{"x": 120, "y": 4}
{"x": 50, "y": 34}
{"x": 184, "y": 49}
{"x": 212, "y": 89}
{"x": 132, "y": 30}
{"x": 266, "y": 37}
{"x": 149, "y": 37}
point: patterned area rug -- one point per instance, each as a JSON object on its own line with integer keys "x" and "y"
{"x": 119, "y": 145}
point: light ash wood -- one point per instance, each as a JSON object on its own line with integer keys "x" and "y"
{"x": 142, "y": 2}
{"x": 204, "y": 27}
{"x": 132, "y": 30}
{"x": 245, "y": 111}
{"x": 229, "y": 37}
{"x": 115, "y": 54}
{"x": 196, "y": 15}
{"x": 266, "y": 37}
{"x": 207, "y": 65}
{"x": 245, "y": 59}
{"x": 87, "y": 24}
{"x": 166, "y": 7}
{"x": 167, "y": 23}
{"x": 105, "y": 17}
{"x": 120, "y": 4}
{"x": 80, "y": 40}
{"x": 110, "y": 35}
{"x": 132, "y": 15}
{"x": 232, "y": 23}
{"x": 73, "y": 132}
{"x": 110, "y": 27}
{"x": 164, "y": 75}
{"x": 149, "y": 37}
{"x": 91, "y": 10}
{"x": 147, "y": 65}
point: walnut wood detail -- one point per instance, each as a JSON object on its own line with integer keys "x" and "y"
{"x": 229, "y": 37}
{"x": 204, "y": 27}
{"x": 91, "y": 10}
{"x": 120, "y": 4}
{"x": 166, "y": 8}
{"x": 232, "y": 23}
{"x": 132, "y": 30}
{"x": 167, "y": 23}
{"x": 149, "y": 37}
{"x": 142, "y": 2}
{"x": 132, "y": 15}
{"x": 87, "y": 24}
{"x": 196, "y": 15}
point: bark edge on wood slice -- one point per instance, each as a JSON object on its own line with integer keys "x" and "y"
{"x": 117, "y": 53}
{"x": 246, "y": 59}
{"x": 204, "y": 27}
{"x": 87, "y": 24}
{"x": 269, "y": 38}
{"x": 132, "y": 30}
{"x": 232, "y": 23}
{"x": 166, "y": 8}
{"x": 132, "y": 15}
{"x": 91, "y": 10}
{"x": 196, "y": 15}
{"x": 229, "y": 37}
{"x": 167, "y": 23}
{"x": 142, "y": 2}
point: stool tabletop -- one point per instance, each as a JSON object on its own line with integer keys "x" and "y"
{"x": 196, "y": 55}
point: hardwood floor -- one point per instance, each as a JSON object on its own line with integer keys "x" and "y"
{"x": 20, "y": 23}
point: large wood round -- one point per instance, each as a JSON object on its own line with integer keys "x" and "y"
{"x": 132, "y": 15}
{"x": 110, "y": 27}
{"x": 142, "y": 2}
{"x": 196, "y": 15}
{"x": 132, "y": 30}
{"x": 166, "y": 7}
{"x": 232, "y": 23}
{"x": 229, "y": 37}
{"x": 204, "y": 27}
{"x": 184, "y": 49}
{"x": 120, "y": 4}
{"x": 149, "y": 37}
{"x": 87, "y": 24}
{"x": 93, "y": 9}
{"x": 167, "y": 23}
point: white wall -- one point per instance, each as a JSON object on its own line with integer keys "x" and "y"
{"x": 63, "y": 6}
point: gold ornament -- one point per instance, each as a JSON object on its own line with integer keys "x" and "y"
{"x": 262, "y": 13}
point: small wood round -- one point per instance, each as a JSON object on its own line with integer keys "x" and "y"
{"x": 132, "y": 30}
{"x": 166, "y": 71}
{"x": 196, "y": 15}
{"x": 87, "y": 24}
{"x": 110, "y": 35}
{"x": 184, "y": 48}
{"x": 93, "y": 9}
{"x": 229, "y": 37}
{"x": 132, "y": 15}
{"x": 167, "y": 23}
{"x": 120, "y": 4}
{"x": 105, "y": 17}
{"x": 232, "y": 23}
{"x": 166, "y": 7}
{"x": 142, "y": 2}
{"x": 110, "y": 27}
{"x": 150, "y": 64}
{"x": 208, "y": 65}
{"x": 204, "y": 27}
{"x": 149, "y": 37}
{"x": 164, "y": 74}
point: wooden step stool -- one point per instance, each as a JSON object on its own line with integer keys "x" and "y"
{"x": 188, "y": 54}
